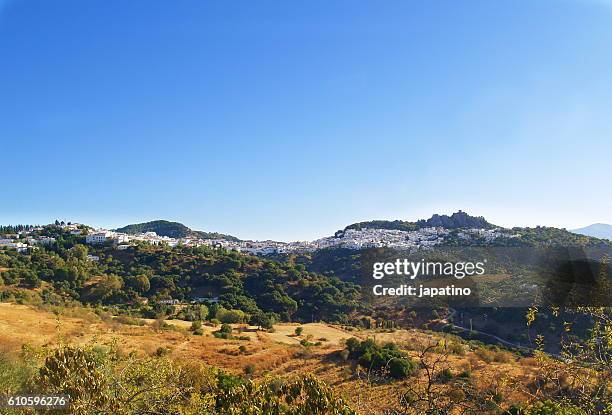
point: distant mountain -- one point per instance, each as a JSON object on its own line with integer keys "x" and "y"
{"x": 457, "y": 220}
{"x": 597, "y": 230}
{"x": 172, "y": 230}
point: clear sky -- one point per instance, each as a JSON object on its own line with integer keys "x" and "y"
{"x": 290, "y": 120}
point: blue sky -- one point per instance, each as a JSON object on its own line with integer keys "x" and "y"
{"x": 290, "y": 120}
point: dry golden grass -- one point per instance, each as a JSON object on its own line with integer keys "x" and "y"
{"x": 285, "y": 333}
{"x": 277, "y": 353}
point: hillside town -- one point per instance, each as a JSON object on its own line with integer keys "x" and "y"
{"x": 424, "y": 238}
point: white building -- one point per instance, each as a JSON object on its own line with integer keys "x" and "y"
{"x": 19, "y": 246}
{"x": 99, "y": 237}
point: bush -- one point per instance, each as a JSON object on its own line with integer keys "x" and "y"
{"x": 161, "y": 325}
{"x": 456, "y": 348}
{"x": 400, "y": 368}
{"x": 225, "y": 332}
{"x": 198, "y": 332}
{"x": 371, "y": 355}
{"x": 230, "y": 316}
{"x": 299, "y": 331}
{"x": 249, "y": 369}
{"x": 129, "y": 320}
{"x": 502, "y": 356}
{"x": 196, "y": 325}
{"x": 193, "y": 313}
{"x": 445, "y": 376}
{"x": 485, "y": 354}
{"x": 466, "y": 374}
{"x": 161, "y": 351}
{"x": 13, "y": 373}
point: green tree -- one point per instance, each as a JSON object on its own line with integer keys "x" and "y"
{"x": 230, "y": 316}
{"x": 141, "y": 283}
{"x": 263, "y": 320}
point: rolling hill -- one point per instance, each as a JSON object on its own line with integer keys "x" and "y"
{"x": 172, "y": 230}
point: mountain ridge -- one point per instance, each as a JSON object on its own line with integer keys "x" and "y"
{"x": 457, "y": 220}
{"x": 596, "y": 230}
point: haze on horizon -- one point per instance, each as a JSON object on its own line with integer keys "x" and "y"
{"x": 290, "y": 121}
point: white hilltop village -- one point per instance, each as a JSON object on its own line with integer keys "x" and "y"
{"x": 424, "y": 238}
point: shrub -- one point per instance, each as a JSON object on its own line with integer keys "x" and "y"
{"x": 299, "y": 331}
{"x": 400, "y": 368}
{"x": 230, "y": 316}
{"x": 129, "y": 320}
{"x": 445, "y": 375}
{"x": 502, "y": 356}
{"x": 225, "y": 332}
{"x": 371, "y": 355}
{"x": 456, "y": 348}
{"x": 13, "y": 373}
{"x": 485, "y": 354}
{"x": 305, "y": 343}
{"x": 161, "y": 351}
{"x": 161, "y": 325}
{"x": 249, "y": 369}
{"x": 466, "y": 374}
{"x": 193, "y": 313}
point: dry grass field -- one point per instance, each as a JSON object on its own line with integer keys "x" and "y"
{"x": 277, "y": 353}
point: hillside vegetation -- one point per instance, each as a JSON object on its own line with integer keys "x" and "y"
{"x": 253, "y": 285}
